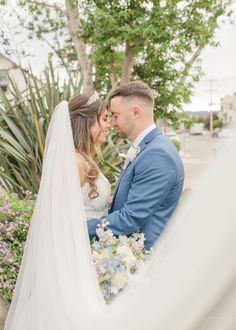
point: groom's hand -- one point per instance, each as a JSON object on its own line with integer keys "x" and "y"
{"x": 93, "y": 225}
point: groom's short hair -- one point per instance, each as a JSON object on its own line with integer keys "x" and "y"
{"x": 134, "y": 89}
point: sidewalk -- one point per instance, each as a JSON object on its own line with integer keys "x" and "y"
{"x": 197, "y": 153}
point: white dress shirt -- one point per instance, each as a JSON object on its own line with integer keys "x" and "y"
{"x": 132, "y": 152}
{"x": 142, "y": 135}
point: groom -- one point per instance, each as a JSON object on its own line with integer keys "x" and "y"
{"x": 150, "y": 185}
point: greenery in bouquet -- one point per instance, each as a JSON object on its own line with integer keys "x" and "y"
{"x": 15, "y": 216}
{"x": 116, "y": 259}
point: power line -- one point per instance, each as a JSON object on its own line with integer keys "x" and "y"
{"x": 218, "y": 79}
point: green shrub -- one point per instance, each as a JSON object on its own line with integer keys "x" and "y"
{"x": 217, "y": 123}
{"x": 177, "y": 144}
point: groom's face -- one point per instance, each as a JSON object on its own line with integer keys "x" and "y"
{"x": 122, "y": 117}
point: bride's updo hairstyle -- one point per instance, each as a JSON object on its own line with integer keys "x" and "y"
{"x": 85, "y": 110}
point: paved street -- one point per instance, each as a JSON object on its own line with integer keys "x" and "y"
{"x": 197, "y": 152}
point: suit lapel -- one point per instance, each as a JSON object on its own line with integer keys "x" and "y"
{"x": 117, "y": 186}
{"x": 148, "y": 138}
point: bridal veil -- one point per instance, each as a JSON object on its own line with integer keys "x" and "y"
{"x": 57, "y": 280}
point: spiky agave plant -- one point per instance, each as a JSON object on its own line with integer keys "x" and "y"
{"x": 109, "y": 159}
{"x": 24, "y": 119}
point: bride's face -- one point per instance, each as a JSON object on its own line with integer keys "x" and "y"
{"x": 100, "y": 129}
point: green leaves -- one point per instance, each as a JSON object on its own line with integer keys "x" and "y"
{"x": 165, "y": 39}
{"x": 24, "y": 119}
{"x": 163, "y": 35}
{"x": 23, "y": 125}
{"x": 109, "y": 160}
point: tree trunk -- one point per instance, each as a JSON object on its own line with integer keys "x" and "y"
{"x": 113, "y": 77}
{"x": 74, "y": 25}
{"x": 128, "y": 63}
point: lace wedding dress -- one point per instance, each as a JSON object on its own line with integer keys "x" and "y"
{"x": 97, "y": 207}
{"x": 189, "y": 281}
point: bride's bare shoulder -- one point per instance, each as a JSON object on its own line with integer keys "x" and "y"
{"x": 82, "y": 168}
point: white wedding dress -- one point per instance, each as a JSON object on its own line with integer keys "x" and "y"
{"x": 190, "y": 278}
{"x": 97, "y": 207}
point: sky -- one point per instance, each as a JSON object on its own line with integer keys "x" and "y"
{"x": 218, "y": 65}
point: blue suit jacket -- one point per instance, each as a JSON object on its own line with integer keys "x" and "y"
{"x": 147, "y": 191}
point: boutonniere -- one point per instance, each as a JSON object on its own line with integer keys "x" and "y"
{"x": 130, "y": 156}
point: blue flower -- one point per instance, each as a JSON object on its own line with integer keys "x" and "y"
{"x": 115, "y": 265}
{"x": 108, "y": 249}
{"x": 106, "y": 262}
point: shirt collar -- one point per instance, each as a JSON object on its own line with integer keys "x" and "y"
{"x": 142, "y": 135}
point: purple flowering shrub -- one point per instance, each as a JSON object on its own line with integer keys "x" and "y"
{"x": 15, "y": 216}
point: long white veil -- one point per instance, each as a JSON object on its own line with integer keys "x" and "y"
{"x": 189, "y": 281}
{"x": 57, "y": 280}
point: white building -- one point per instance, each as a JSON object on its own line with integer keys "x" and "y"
{"x": 10, "y": 69}
{"x": 228, "y": 109}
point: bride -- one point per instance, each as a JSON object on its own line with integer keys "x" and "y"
{"x": 90, "y": 125}
{"x": 57, "y": 286}
{"x": 189, "y": 281}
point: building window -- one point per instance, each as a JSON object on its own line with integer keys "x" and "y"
{"x": 3, "y": 80}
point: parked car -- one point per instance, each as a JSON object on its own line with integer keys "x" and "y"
{"x": 171, "y": 133}
{"x": 197, "y": 129}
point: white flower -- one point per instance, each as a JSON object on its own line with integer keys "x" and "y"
{"x": 119, "y": 280}
{"x": 132, "y": 266}
{"x": 103, "y": 255}
{"x": 123, "y": 240}
{"x": 125, "y": 250}
{"x": 137, "y": 246}
{"x": 127, "y": 256}
{"x": 95, "y": 255}
{"x": 114, "y": 290}
{"x": 132, "y": 153}
{"x": 130, "y": 156}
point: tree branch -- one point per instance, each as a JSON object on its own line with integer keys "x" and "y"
{"x": 190, "y": 63}
{"x": 74, "y": 25}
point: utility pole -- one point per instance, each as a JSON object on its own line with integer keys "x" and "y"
{"x": 211, "y": 103}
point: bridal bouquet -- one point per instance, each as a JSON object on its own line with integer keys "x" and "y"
{"x": 116, "y": 259}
